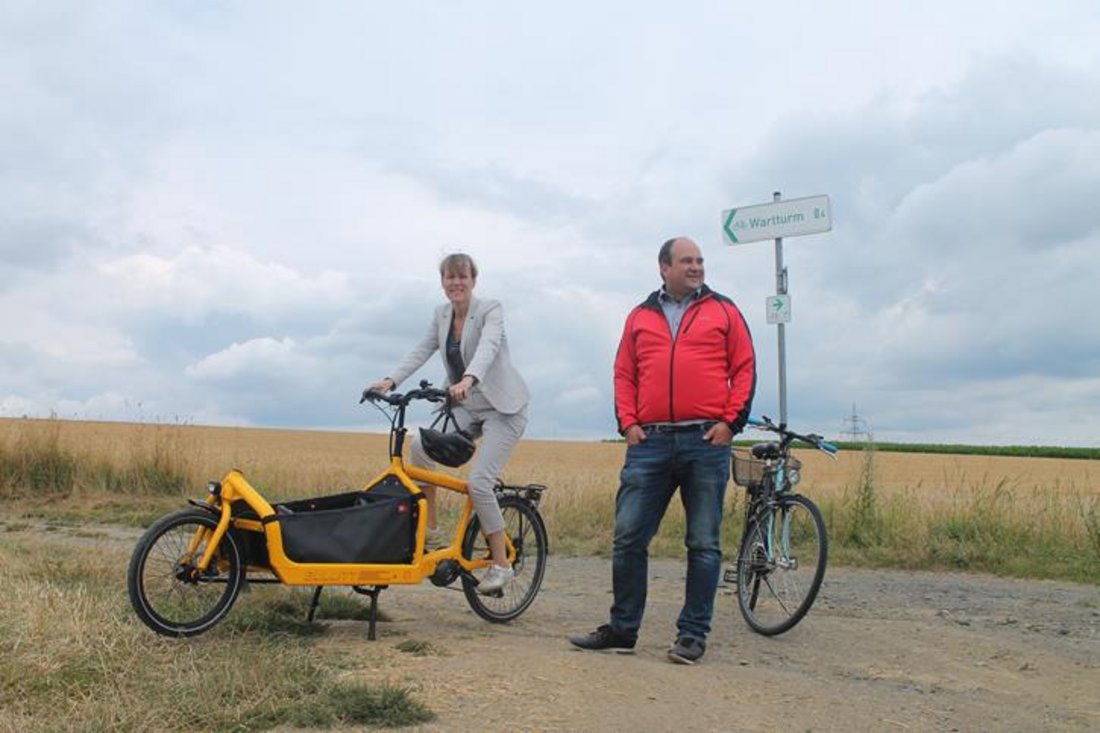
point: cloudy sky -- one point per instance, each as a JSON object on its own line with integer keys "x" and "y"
{"x": 231, "y": 213}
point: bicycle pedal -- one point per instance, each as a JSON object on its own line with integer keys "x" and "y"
{"x": 730, "y": 575}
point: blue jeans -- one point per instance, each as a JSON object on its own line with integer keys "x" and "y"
{"x": 654, "y": 469}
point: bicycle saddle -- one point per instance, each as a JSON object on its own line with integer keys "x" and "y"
{"x": 765, "y": 451}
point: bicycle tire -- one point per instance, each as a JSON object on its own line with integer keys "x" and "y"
{"x": 776, "y": 589}
{"x": 166, "y": 592}
{"x": 527, "y": 531}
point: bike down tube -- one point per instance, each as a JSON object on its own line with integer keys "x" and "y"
{"x": 783, "y": 551}
{"x": 769, "y": 531}
{"x": 408, "y": 476}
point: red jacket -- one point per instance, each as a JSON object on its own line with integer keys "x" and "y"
{"x": 707, "y": 373}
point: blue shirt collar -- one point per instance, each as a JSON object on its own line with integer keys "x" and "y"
{"x": 664, "y": 296}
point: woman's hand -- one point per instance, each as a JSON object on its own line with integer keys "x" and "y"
{"x": 382, "y": 386}
{"x": 460, "y": 389}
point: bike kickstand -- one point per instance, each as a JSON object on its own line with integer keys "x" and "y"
{"x": 314, "y": 603}
{"x": 372, "y": 617}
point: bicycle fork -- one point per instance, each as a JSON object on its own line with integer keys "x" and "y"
{"x": 783, "y": 557}
{"x": 777, "y": 540}
{"x": 211, "y": 537}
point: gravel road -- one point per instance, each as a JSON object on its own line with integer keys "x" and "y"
{"x": 880, "y": 650}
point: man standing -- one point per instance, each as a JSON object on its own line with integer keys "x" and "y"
{"x": 685, "y": 375}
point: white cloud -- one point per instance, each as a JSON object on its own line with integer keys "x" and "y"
{"x": 17, "y": 406}
{"x": 262, "y": 356}
{"x": 244, "y": 227}
{"x": 198, "y": 281}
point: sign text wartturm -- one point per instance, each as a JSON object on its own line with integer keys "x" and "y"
{"x": 791, "y": 218}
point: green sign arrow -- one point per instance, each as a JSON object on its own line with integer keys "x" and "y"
{"x": 728, "y": 228}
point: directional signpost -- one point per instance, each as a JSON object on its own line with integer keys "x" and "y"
{"x": 792, "y": 218}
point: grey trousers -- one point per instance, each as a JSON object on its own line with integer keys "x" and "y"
{"x": 498, "y": 434}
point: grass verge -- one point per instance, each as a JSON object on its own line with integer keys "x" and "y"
{"x": 72, "y": 654}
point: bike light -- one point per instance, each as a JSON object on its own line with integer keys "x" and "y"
{"x": 794, "y": 471}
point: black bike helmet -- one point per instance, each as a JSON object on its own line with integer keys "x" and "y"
{"x": 451, "y": 449}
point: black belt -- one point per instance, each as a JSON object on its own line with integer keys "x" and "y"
{"x": 679, "y": 427}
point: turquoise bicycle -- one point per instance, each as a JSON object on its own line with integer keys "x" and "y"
{"x": 781, "y": 562}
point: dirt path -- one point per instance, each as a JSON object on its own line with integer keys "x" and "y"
{"x": 881, "y": 650}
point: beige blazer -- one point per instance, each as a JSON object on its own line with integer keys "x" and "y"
{"x": 484, "y": 350}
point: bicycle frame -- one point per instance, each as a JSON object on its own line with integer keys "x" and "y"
{"x": 234, "y": 487}
{"x": 781, "y": 556}
{"x": 778, "y": 574}
{"x": 763, "y": 506}
{"x": 365, "y": 540}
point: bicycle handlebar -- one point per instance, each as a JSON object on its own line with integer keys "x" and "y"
{"x": 396, "y": 399}
{"x": 817, "y": 441}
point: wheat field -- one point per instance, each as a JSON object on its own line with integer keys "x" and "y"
{"x": 297, "y": 460}
{"x": 939, "y": 505}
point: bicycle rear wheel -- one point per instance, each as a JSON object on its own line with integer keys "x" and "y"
{"x": 167, "y": 591}
{"x": 527, "y": 532}
{"x": 781, "y": 565}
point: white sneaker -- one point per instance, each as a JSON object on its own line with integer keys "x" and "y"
{"x": 495, "y": 580}
{"x": 434, "y": 539}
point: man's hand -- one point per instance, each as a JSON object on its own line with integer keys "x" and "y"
{"x": 634, "y": 435}
{"x": 720, "y": 434}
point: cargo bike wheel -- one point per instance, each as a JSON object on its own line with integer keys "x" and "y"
{"x": 527, "y": 532}
{"x": 170, "y": 595}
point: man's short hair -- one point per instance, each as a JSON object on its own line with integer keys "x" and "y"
{"x": 664, "y": 256}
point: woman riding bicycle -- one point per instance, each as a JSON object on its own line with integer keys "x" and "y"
{"x": 491, "y": 399}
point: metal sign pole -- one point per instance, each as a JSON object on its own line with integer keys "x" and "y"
{"x": 779, "y": 219}
{"x": 781, "y": 290}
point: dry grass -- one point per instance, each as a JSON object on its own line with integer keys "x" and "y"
{"x": 308, "y": 460}
{"x": 290, "y": 459}
{"x": 918, "y": 498}
{"x": 73, "y": 656}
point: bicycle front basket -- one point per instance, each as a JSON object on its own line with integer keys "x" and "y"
{"x": 747, "y": 471}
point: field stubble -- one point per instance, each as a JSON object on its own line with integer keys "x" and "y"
{"x": 1019, "y": 516}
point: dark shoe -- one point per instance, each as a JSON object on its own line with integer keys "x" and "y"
{"x": 686, "y": 650}
{"x": 605, "y": 639}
